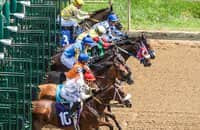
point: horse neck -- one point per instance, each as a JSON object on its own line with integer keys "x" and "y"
{"x": 105, "y": 100}
{"x": 101, "y": 13}
{"x": 128, "y": 48}
{"x": 108, "y": 77}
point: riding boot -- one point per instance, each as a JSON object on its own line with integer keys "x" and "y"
{"x": 74, "y": 28}
{"x": 101, "y": 49}
{"x": 75, "y": 107}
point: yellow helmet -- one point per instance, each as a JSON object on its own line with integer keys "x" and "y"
{"x": 78, "y": 2}
{"x": 100, "y": 29}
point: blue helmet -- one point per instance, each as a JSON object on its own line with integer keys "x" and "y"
{"x": 88, "y": 40}
{"x": 83, "y": 57}
{"x": 112, "y": 18}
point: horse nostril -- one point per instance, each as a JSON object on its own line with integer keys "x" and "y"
{"x": 130, "y": 81}
{"x": 130, "y": 105}
{"x": 153, "y": 56}
{"x": 149, "y": 64}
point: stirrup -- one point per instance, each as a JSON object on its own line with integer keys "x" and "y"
{"x": 75, "y": 120}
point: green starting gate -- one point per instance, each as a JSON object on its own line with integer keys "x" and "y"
{"x": 28, "y": 30}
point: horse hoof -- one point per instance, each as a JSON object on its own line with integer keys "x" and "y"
{"x": 130, "y": 82}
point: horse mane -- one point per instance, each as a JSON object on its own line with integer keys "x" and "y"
{"x": 101, "y": 10}
{"x": 100, "y": 91}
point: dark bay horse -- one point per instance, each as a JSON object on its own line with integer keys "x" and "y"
{"x": 44, "y": 111}
{"x": 127, "y": 47}
{"x": 136, "y": 47}
{"x": 145, "y": 42}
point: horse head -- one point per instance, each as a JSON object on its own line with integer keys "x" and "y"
{"x": 136, "y": 48}
{"x": 148, "y": 46}
{"x": 113, "y": 92}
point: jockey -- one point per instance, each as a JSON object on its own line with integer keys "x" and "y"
{"x": 74, "y": 90}
{"x": 71, "y": 53}
{"x": 112, "y": 33}
{"x": 72, "y": 15}
{"x": 97, "y": 35}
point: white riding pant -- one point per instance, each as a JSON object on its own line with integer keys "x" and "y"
{"x": 68, "y": 23}
{"x": 71, "y": 91}
{"x": 68, "y": 62}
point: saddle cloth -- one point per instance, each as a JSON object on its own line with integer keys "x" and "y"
{"x": 64, "y": 115}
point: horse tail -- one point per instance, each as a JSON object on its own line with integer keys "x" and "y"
{"x": 38, "y": 107}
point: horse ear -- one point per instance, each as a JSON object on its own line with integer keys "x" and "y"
{"x": 111, "y": 7}
{"x": 143, "y": 35}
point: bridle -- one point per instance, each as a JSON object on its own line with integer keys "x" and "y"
{"x": 138, "y": 51}
{"x": 116, "y": 93}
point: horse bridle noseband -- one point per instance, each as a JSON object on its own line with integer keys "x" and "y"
{"x": 129, "y": 53}
{"x": 116, "y": 87}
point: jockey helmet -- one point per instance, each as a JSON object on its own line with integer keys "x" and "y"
{"x": 78, "y": 2}
{"x": 89, "y": 76}
{"x": 83, "y": 57}
{"x": 100, "y": 29}
{"x": 112, "y": 18}
{"x": 88, "y": 41}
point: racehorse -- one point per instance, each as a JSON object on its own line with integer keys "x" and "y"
{"x": 44, "y": 111}
{"x": 98, "y": 16}
{"x": 145, "y": 42}
{"x": 136, "y": 47}
{"x": 85, "y": 25}
{"x": 127, "y": 47}
{"x": 106, "y": 73}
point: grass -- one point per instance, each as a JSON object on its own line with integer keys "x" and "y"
{"x": 158, "y": 14}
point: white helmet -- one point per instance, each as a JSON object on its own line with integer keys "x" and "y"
{"x": 100, "y": 29}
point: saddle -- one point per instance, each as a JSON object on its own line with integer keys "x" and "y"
{"x": 68, "y": 116}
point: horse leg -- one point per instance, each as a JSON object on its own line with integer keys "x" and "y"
{"x": 109, "y": 110}
{"x": 114, "y": 119}
{"x": 69, "y": 128}
{"x": 102, "y": 123}
{"x": 37, "y": 125}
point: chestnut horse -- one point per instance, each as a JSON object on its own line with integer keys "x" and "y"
{"x": 44, "y": 111}
{"x": 106, "y": 77}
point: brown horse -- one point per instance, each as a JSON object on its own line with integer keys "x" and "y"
{"x": 134, "y": 46}
{"x": 44, "y": 111}
{"x": 97, "y": 16}
{"x": 106, "y": 75}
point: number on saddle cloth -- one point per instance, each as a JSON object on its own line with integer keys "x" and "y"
{"x": 63, "y": 113}
{"x": 68, "y": 36}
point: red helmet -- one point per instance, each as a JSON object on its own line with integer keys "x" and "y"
{"x": 89, "y": 76}
{"x": 106, "y": 45}
{"x": 96, "y": 39}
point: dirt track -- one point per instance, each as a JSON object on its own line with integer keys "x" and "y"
{"x": 166, "y": 96}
